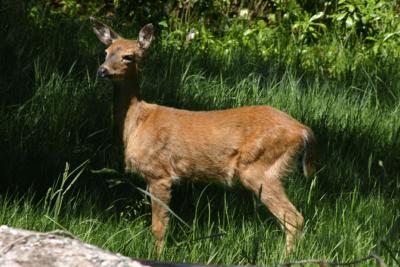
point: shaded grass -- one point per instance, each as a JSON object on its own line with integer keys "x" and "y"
{"x": 71, "y": 119}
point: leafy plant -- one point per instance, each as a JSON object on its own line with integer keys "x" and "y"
{"x": 308, "y": 28}
{"x": 361, "y": 17}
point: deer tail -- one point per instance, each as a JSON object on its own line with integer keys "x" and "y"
{"x": 309, "y": 152}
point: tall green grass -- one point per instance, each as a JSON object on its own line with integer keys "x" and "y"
{"x": 223, "y": 228}
{"x": 54, "y": 110}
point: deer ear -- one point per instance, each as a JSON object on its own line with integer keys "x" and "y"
{"x": 105, "y": 34}
{"x": 146, "y": 35}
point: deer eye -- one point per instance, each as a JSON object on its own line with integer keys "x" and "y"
{"x": 127, "y": 58}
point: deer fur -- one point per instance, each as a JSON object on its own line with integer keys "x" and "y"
{"x": 254, "y": 145}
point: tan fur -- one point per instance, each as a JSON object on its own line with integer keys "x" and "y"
{"x": 255, "y": 145}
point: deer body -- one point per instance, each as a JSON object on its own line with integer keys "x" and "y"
{"x": 213, "y": 145}
{"x": 254, "y": 145}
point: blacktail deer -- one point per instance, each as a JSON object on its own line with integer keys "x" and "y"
{"x": 254, "y": 145}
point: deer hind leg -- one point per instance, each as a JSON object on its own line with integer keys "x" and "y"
{"x": 265, "y": 182}
{"x": 161, "y": 195}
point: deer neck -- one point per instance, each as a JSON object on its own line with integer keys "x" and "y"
{"x": 126, "y": 99}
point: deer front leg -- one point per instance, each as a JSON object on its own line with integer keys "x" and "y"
{"x": 161, "y": 195}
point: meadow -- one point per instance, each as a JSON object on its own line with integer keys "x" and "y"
{"x": 61, "y": 170}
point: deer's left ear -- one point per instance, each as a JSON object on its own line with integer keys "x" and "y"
{"x": 105, "y": 34}
{"x": 146, "y": 35}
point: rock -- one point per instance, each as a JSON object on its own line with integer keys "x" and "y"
{"x": 20, "y": 248}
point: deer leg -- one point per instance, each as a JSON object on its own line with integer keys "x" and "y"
{"x": 267, "y": 185}
{"x": 161, "y": 195}
{"x": 275, "y": 198}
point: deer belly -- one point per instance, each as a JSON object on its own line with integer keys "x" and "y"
{"x": 199, "y": 166}
{"x": 217, "y": 164}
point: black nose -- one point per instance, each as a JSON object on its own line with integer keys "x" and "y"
{"x": 102, "y": 72}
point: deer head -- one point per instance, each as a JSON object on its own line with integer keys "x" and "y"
{"x": 121, "y": 54}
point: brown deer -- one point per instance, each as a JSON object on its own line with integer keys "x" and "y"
{"x": 254, "y": 145}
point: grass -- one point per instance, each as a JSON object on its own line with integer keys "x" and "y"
{"x": 54, "y": 110}
{"x": 221, "y": 230}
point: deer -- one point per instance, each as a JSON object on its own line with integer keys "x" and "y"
{"x": 253, "y": 145}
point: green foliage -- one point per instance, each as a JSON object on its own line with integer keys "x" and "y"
{"x": 362, "y": 17}
{"x": 308, "y": 29}
{"x": 319, "y": 41}
{"x": 70, "y": 8}
{"x": 373, "y": 25}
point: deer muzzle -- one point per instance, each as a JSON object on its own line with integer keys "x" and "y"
{"x": 103, "y": 72}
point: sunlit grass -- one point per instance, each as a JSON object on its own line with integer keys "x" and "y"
{"x": 221, "y": 230}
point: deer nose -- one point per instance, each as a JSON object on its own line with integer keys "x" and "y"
{"x": 103, "y": 72}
